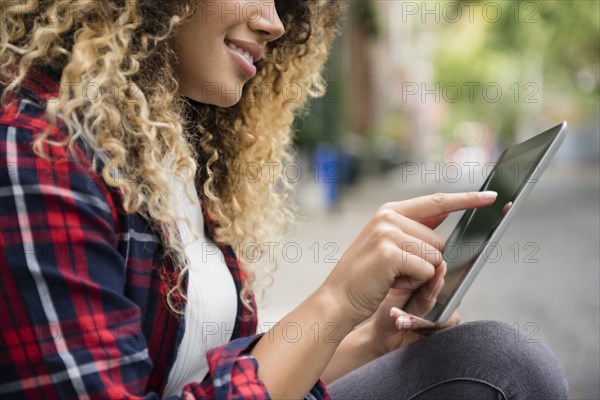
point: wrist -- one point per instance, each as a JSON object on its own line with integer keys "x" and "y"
{"x": 333, "y": 310}
{"x": 372, "y": 340}
{"x": 356, "y": 349}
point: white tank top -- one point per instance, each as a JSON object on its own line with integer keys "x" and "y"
{"x": 211, "y": 309}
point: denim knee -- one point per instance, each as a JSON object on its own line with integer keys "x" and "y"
{"x": 530, "y": 368}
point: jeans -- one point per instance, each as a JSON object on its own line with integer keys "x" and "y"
{"x": 475, "y": 360}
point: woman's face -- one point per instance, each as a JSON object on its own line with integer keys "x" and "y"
{"x": 218, "y": 46}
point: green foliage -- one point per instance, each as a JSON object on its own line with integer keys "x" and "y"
{"x": 544, "y": 55}
{"x": 365, "y": 13}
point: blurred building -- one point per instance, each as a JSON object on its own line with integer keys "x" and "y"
{"x": 388, "y": 70}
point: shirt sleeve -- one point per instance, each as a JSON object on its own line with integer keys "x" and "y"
{"x": 233, "y": 374}
{"x": 67, "y": 330}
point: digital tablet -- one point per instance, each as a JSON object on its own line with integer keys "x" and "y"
{"x": 478, "y": 231}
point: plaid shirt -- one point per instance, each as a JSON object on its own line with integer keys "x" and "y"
{"x": 82, "y": 299}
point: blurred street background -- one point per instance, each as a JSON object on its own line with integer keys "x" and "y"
{"x": 422, "y": 97}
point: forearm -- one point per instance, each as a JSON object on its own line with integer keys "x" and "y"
{"x": 355, "y": 350}
{"x": 363, "y": 345}
{"x": 294, "y": 353}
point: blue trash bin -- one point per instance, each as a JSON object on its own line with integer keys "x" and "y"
{"x": 327, "y": 170}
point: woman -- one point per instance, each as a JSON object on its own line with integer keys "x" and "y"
{"x": 123, "y": 130}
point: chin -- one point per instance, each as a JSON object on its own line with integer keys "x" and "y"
{"x": 227, "y": 101}
{"x": 220, "y": 98}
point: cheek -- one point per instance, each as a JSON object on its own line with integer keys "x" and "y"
{"x": 205, "y": 70}
{"x": 194, "y": 69}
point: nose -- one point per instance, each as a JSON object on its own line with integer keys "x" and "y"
{"x": 266, "y": 21}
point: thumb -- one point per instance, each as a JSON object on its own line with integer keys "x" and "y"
{"x": 408, "y": 322}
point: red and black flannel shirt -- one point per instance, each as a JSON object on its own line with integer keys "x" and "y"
{"x": 82, "y": 302}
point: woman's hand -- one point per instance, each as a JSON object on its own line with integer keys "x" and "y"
{"x": 392, "y": 327}
{"x": 396, "y": 254}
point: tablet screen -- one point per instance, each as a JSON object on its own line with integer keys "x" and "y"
{"x": 473, "y": 231}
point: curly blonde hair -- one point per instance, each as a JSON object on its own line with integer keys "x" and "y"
{"x": 123, "y": 49}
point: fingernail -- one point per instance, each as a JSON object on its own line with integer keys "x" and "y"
{"x": 488, "y": 194}
{"x": 403, "y": 322}
{"x": 394, "y": 310}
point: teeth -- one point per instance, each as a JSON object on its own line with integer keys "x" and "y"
{"x": 245, "y": 54}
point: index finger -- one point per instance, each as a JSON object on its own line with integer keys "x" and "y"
{"x": 442, "y": 203}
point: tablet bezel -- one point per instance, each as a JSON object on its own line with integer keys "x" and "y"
{"x": 442, "y": 312}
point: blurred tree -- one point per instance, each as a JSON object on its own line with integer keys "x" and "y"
{"x": 321, "y": 120}
{"x": 345, "y": 101}
{"x": 365, "y": 13}
{"x": 543, "y": 56}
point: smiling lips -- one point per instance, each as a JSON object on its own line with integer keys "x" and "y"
{"x": 246, "y": 53}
